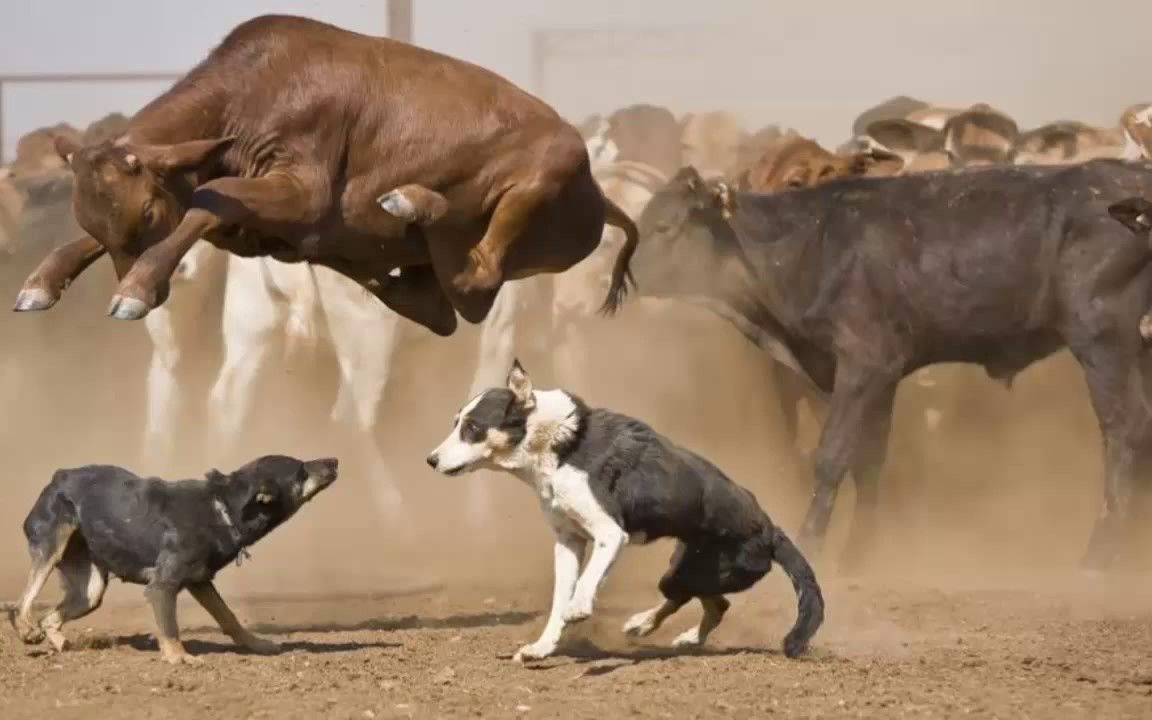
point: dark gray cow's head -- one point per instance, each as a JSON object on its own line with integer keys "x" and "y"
{"x": 687, "y": 247}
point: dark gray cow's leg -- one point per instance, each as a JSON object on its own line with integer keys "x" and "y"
{"x": 861, "y": 398}
{"x": 866, "y": 468}
{"x": 1117, "y": 397}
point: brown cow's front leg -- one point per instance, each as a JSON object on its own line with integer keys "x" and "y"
{"x": 56, "y": 272}
{"x": 273, "y": 198}
{"x": 859, "y": 399}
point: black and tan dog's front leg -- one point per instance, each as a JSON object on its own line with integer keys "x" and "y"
{"x": 210, "y": 600}
{"x": 162, "y": 597}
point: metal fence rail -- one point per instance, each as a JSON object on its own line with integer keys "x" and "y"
{"x": 7, "y": 79}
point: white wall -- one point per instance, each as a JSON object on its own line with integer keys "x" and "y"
{"x": 812, "y": 63}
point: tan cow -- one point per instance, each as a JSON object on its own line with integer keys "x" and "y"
{"x": 641, "y": 133}
{"x": 980, "y": 135}
{"x": 801, "y": 162}
{"x": 1137, "y": 123}
{"x": 712, "y": 142}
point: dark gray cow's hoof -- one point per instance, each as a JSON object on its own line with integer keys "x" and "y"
{"x": 126, "y": 308}
{"x": 396, "y": 204}
{"x": 33, "y": 299}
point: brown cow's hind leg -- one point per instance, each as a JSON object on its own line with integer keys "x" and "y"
{"x": 414, "y": 204}
{"x": 484, "y": 271}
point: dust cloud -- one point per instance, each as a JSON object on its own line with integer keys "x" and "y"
{"x": 1008, "y": 484}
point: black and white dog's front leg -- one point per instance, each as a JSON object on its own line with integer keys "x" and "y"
{"x": 567, "y": 555}
{"x": 608, "y": 539}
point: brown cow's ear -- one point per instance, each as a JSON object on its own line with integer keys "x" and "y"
{"x": 182, "y": 157}
{"x": 1135, "y": 213}
{"x": 66, "y": 148}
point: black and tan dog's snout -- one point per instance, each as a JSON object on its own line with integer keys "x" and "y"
{"x": 323, "y": 469}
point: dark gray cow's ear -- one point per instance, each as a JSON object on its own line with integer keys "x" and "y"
{"x": 1134, "y": 212}
{"x": 66, "y": 148}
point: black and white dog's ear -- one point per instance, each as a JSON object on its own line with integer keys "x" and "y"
{"x": 1135, "y": 213}
{"x": 521, "y": 385}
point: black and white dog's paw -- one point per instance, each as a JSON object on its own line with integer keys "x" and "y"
{"x": 534, "y": 651}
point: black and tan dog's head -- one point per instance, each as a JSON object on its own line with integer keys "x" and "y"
{"x": 270, "y": 489}
{"x": 508, "y": 428}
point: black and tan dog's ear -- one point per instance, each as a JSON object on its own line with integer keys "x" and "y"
{"x": 264, "y": 493}
{"x": 521, "y": 385}
{"x": 1134, "y": 212}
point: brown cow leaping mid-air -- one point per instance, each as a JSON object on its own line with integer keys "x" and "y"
{"x": 428, "y": 180}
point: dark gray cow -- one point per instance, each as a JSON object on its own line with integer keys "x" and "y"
{"x": 857, "y": 283}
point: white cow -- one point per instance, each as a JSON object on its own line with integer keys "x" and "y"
{"x": 269, "y": 306}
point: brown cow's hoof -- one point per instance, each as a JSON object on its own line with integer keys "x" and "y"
{"x": 127, "y": 308}
{"x": 33, "y": 299}
{"x": 395, "y": 203}
{"x": 477, "y": 277}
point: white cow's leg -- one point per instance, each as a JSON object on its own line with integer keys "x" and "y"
{"x": 364, "y": 335}
{"x": 163, "y": 392}
{"x": 251, "y": 323}
{"x": 497, "y": 348}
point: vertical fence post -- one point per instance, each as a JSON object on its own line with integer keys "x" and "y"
{"x": 400, "y": 20}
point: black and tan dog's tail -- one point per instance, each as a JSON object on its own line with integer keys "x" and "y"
{"x": 622, "y": 270}
{"x": 809, "y": 599}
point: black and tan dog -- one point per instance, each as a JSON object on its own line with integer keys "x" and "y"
{"x": 99, "y": 520}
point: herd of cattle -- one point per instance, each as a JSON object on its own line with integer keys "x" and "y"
{"x": 848, "y": 284}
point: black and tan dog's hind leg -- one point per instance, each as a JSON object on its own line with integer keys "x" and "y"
{"x": 84, "y": 585}
{"x": 208, "y": 597}
{"x": 47, "y": 549}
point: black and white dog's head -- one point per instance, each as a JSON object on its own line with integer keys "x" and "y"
{"x": 509, "y": 428}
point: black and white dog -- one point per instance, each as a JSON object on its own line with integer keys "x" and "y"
{"x": 100, "y": 520}
{"x": 609, "y": 479}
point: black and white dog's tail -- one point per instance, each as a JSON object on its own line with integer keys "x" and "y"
{"x": 809, "y": 599}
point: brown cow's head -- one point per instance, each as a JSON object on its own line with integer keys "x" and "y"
{"x": 127, "y": 197}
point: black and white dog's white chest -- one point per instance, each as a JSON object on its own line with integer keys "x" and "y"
{"x": 567, "y": 497}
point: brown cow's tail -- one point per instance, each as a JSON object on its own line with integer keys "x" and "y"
{"x": 621, "y": 271}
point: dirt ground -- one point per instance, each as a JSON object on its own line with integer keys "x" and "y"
{"x": 971, "y": 607}
{"x": 1041, "y": 648}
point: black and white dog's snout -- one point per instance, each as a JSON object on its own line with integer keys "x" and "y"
{"x": 433, "y": 460}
